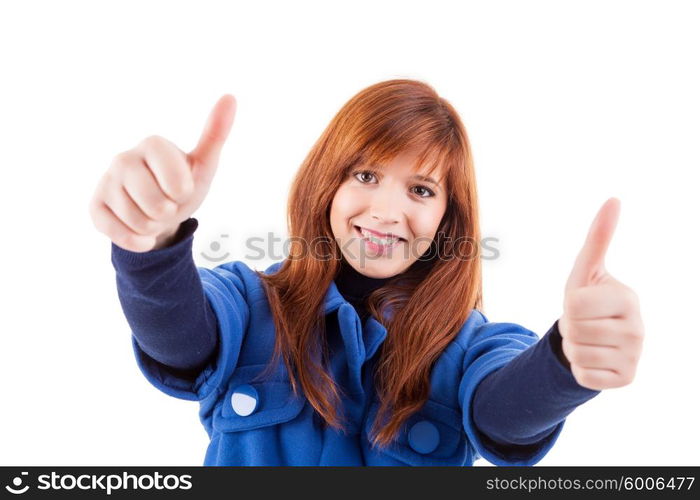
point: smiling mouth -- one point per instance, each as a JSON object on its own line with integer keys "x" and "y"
{"x": 382, "y": 242}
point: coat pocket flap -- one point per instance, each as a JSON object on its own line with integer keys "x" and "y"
{"x": 250, "y": 404}
{"x": 433, "y": 436}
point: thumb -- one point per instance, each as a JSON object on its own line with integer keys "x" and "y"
{"x": 590, "y": 262}
{"x": 215, "y": 133}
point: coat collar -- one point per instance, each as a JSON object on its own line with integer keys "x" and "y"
{"x": 361, "y": 341}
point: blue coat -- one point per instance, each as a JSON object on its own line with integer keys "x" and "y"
{"x": 263, "y": 424}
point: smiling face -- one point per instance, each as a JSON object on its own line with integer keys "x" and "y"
{"x": 374, "y": 203}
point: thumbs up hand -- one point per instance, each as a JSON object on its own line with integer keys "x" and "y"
{"x": 601, "y": 327}
{"x": 149, "y": 190}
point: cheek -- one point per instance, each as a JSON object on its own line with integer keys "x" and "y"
{"x": 343, "y": 206}
{"x": 345, "y": 203}
{"x": 425, "y": 222}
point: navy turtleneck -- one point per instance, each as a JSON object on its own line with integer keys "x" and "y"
{"x": 355, "y": 287}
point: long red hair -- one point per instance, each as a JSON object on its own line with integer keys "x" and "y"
{"x": 429, "y": 302}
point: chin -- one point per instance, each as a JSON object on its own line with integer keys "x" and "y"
{"x": 378, "y": 269}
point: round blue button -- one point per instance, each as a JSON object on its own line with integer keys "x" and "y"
{"x": 424, "y": 437}
{"x": 244, "y": 400}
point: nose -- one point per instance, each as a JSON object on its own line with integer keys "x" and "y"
{"x": 384, "y": 208}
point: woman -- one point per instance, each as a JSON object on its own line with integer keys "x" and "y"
{"x": 366, "y": 345}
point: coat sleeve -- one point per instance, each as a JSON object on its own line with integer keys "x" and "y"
{"x": 225, "y": 293}
{"x": 491, "y": 347}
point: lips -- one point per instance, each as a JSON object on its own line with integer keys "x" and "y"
{"x": 358, "y": 230}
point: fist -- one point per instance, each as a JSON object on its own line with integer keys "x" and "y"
{"x": 601, "y": 327}
{"x": 149, "y": 190}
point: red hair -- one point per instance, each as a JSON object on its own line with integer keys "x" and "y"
{"x": 429, "y": 302}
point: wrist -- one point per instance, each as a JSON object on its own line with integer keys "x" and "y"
{"x": 166, "y": 238}
{"x": 555, "y": 344}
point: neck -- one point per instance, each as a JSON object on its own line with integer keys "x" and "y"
{"x": 352, "y": 284}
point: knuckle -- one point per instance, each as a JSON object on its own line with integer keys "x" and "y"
{"x": 144, "y": 226}
{"x": 93, "y": 205}
{"x": 626, "y": 378}
{"x": 118, "y": 159}
{"x": 181, "y": 185}
{"x": 637, "y": 335}
{"x": 98, "y": 222}
{"x": 566, "y": 347}
{"x": 631, "y": 299}
{"x": 152, "y": 227}
{"x": 633, "y": 358}
{"x": 578, "y": 336}
{"x": 152, "y": 141}
{"x": 587, "y": 381}
{"x": 121, "y": 176}
{"x": 165, "y": 209}
{"x": 120, "y": 171}
{"x": 122, "y": 160}
{"x": 593, "y": 358}
{"x": 572, "y": 302}
{"x": 101, "y": 220}
{"x": 586, "y": 378}
{"x": 185, "y": 189}
{"x": 583, "y": 358}
{"x": 575, "y": 336}
{"x": 574, "y": 356}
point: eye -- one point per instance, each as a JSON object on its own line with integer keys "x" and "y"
{"x": 429, "y": 192}
{"x": 362, "y": 172}
{"x": 425, "y": 189}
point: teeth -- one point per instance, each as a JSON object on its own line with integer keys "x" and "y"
{"x": 378, "y": 241}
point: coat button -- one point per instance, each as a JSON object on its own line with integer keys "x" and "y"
{"x": 424, "y": 437}
{"x": 244, "y": 400}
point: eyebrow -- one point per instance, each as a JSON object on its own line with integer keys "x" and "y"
{"x": 415, "y": 176}
{"x": 425, "y": 179}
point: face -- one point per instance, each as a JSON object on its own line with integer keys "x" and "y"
{"x": 374, "y": 203}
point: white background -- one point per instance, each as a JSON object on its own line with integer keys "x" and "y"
{"x": 566, "y": 104}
